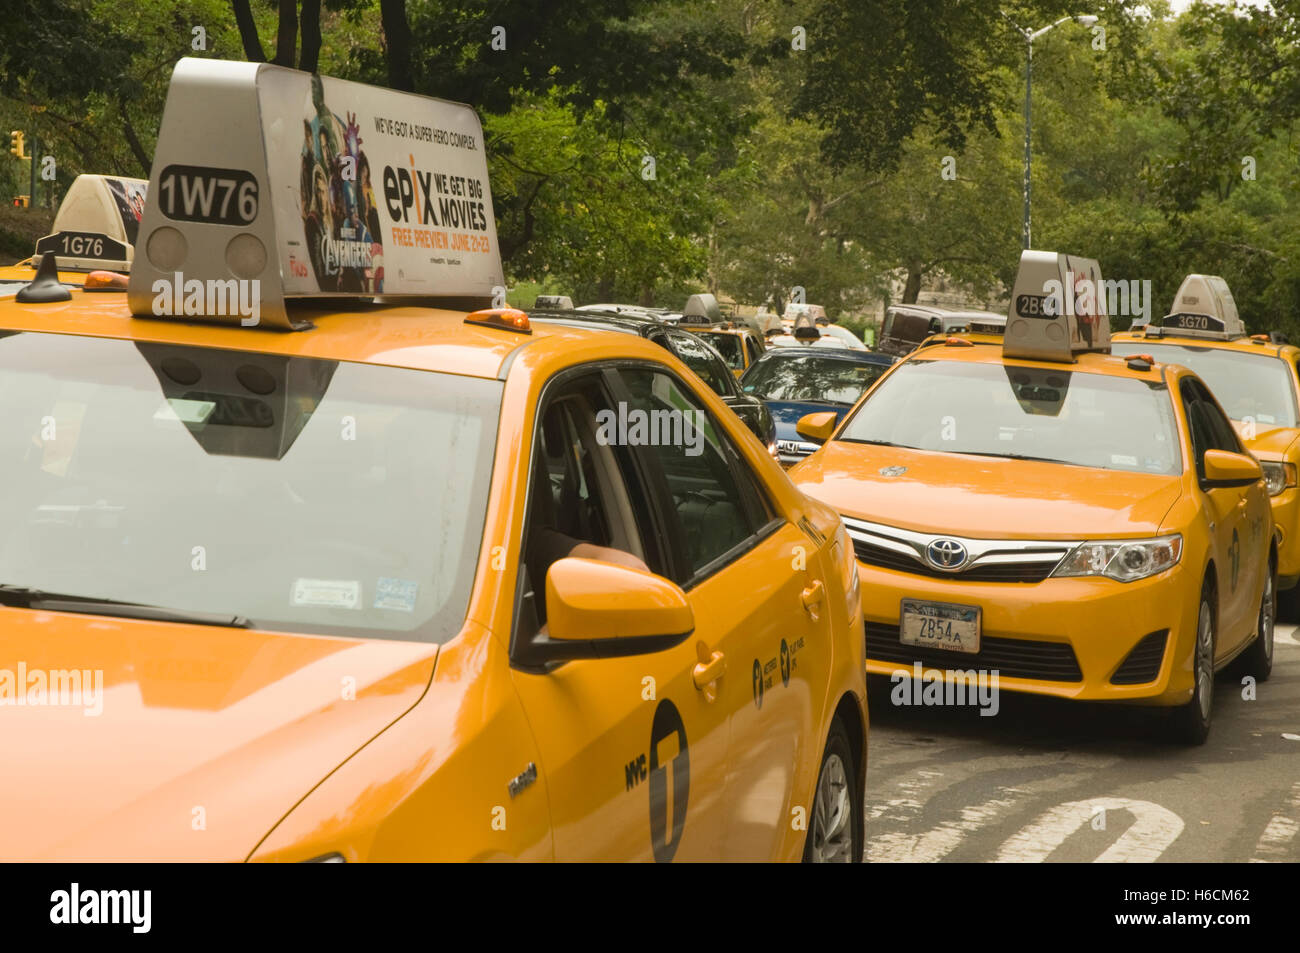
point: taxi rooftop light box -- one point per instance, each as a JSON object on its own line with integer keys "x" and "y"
{"x": 276, "y": 184}
{"x": 1204, "y": 307}
{"x": 97, "y": 224}
{"x": 1058, "y": 308}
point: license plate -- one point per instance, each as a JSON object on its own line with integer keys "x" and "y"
{"x": 939, "y": 625}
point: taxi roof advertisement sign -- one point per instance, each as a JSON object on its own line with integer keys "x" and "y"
{"x": 1058, "y": 308}
{"x": 308, "y": 187}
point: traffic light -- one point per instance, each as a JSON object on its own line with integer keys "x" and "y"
{"x": 16, "y": 144}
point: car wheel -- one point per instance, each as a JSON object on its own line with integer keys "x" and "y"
{"x": 1257, "y": 660}
{"x": 1191, "y": 722}
{"x": 835, "y": 825}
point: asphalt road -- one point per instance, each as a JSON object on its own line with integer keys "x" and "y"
{"x": 1046, "y": 780}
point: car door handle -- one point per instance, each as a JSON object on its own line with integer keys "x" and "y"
{"x": 707, "y": 671}
{"x": 812, "y": 598}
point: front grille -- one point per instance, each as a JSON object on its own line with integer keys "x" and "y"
{"x": 1013, "y": 658}
{"x": 994, "y": 572}
{"x": 1143, "y": 663}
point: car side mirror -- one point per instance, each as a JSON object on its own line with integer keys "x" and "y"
{"x": 1226, "y": 469}
{"x": 817, "y": 427}
{"x": 596, "y": 609}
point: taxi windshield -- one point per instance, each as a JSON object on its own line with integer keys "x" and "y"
{"x": 1249, "y": 386}
{"x": 810, "y": 377}
{"x": 728, "y": 345}
{"x": 300, "y": 494}
{"x": 1050, "y": 414}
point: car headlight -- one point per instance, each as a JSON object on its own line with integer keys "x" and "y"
{"x": 1278, "y": 476}
{"x": 848, "y": 569}
{"x": 771, "y": 448}
{"x": 1123, "y": 560}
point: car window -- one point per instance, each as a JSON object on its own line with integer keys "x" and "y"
{"x": 696, "y": 355}
{"x": 1258, "y": 387}
{"x": 1217, "y": 429}
{"x": 810, "y": 376}
{"x": 997, "y": 410}
{"x": 582, "y": 488}
{"x": 306, "y": 495}
{"x": 752, "y": 346}
{"x": 729, "y": 346}
{"x": 716, "y": 503}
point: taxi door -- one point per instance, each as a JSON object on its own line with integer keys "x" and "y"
{"x": 1233, "y": 524}
{"x": 633, "y": 754}
{"x": 762, "y": 630}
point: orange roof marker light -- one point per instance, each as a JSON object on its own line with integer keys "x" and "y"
{"x": 958, "y": 342}
{"x": 507, "y": 319}
{"x": 105, "y": 281}
{"x": 272, "y": 186}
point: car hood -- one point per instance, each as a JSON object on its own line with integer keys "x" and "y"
{"x": 1268, "y": 444}
{"x": 201, "y": 739}
{"x": 786, "y": 414}
{"x": 985, "y": 497}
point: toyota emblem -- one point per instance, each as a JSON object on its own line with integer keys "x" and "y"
{"x": 946, "y": 554}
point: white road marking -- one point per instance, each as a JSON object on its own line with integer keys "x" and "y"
{"x": 908, "y": 806}
{"x": 1154, "y": 829}
{"x": 899, "y": 847}
{"x": 1287, "y": 635}
{"x": 1275, "y": 843}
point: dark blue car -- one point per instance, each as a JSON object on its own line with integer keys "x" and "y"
{"x": 794, "y": 381}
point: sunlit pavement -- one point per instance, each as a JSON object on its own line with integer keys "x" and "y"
{"x": 1045, "y": 780}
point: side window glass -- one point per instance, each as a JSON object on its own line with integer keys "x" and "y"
{"x": 712, "y": 507}
{"x": 695, "y": 355}
{"x": 580, "y": 493}
{"x": 1221, "y": 432}
{"x": 1197, "y": 424}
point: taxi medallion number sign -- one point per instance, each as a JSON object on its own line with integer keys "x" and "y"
{"x": 190, "y": 193}
{"x": 939, "y": 625}
{"x": 82, "y": 245}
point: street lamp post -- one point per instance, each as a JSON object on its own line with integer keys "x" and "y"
{"x": 1029, "y": 37}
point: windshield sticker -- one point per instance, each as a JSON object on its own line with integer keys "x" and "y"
{"x": 396, "y": 594}
{"x": 327, "y": 593}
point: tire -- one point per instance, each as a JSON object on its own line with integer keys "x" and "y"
{"x": 1191, "y": 722}
{"x": 837, "y": 806}
{"x": 1257, "y": 660}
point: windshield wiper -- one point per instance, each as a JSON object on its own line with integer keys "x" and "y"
{"x": 24, "y": 597}
{"x": 1012, "y": 456}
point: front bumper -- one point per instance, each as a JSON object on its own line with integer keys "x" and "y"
{"x": 1083, "y": 638}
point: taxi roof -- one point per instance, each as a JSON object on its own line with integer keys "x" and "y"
{"x": 989, "y": 351}
{"x": 421, "y": 338}
{"x": 1170, "y": 336}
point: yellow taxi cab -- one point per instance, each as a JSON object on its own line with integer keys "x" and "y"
{"x": 1256, "y": 381}
{"x": 739, "y": 347}
{"x": 1085, "y": 525}
{"x": 94, "y": 233}
{"x": 409, "y": 582}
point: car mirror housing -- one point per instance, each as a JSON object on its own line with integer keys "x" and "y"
{"x": 1225, "y": 469}
{"x": 596, "y": 609}
{"x": 817, "y": 427}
